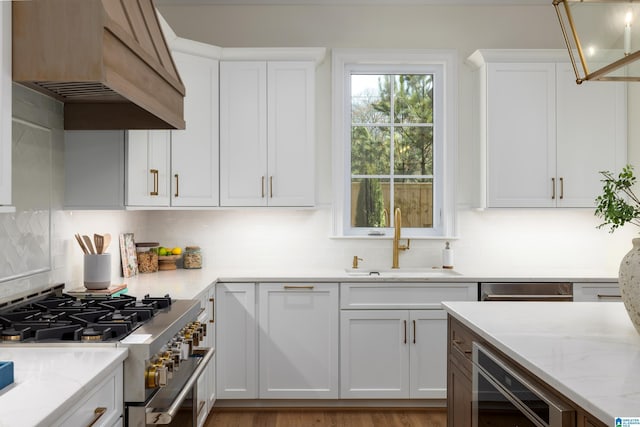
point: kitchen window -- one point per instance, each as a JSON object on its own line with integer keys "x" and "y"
{"x": 394, "y": 142}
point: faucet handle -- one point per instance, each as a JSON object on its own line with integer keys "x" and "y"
{"x": 355, "y": 261}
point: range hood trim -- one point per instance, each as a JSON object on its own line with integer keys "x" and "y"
{"x": 142, "y": 87}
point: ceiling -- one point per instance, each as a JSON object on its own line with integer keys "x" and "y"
{"x": 355, "y": 2}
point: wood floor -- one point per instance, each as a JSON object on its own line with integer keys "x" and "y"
{"x": 334, "y": 418}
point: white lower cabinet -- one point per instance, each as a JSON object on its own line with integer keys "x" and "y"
{"x": 236, "y": 341}
{"x": 298, "y": 343}
{"x": 393, "y": 339}
{"x": 101, "y": 406}
{"x": 330, "y": 340}
{"x": 393, "y": 354}
{"x": 600, "y": 292}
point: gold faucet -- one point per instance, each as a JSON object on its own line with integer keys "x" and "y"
{"x": 354, "y": 265}
{"x": 397, "y": 223}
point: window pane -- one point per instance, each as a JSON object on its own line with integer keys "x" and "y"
{"x": 370, "y": 150}
{"x": 370, "y": 98}
{"x": 370, "y": 202}
{"x": 413, "y": 98}
{"x": 414, "y": 197}
{"x": 413, "y": 151}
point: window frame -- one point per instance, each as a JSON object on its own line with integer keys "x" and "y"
{"x": 441, "y": 63}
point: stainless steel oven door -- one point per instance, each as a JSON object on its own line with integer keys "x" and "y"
{"x": 502, "y": 396}
{"x": 164, "y": 405}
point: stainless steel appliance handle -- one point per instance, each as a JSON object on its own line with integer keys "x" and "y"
{"x": 162, "y": 416}
{"x": 524, "y": 297}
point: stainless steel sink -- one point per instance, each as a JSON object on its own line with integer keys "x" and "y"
{"x": 411, "y": 273}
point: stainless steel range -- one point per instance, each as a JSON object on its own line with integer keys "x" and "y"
{"x": 162, "y": 335}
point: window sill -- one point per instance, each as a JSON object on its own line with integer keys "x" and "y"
{"x": 334, "y": 237}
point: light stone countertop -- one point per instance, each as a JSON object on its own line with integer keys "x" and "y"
{"x": 589, "y": 352}
{"x": 189, "y": 284}
{"x": 49, "y": 381}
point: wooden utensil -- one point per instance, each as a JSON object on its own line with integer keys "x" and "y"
{"x": 81, "y": 243}
{"x": 98, "y": 240}
{"x": 87, "y": 242}
{"x": 106, "y": 240}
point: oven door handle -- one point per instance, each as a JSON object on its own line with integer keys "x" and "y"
{"x": 523, "y": 297}
{"x": 165, "y": 416}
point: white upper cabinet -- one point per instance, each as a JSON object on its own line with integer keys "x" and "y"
{"x": 521, "y": 136}
{"x": 591, "y": 134}
{"x": 267, "y": 133}
{"x": 148, "y": 167}
{"x": 194, "y": 151}
{"x": 544, "y": 138}
{"x": 5, "y": 103}
{"x": 181, "y": 166}
{"x": 243, "y": 133}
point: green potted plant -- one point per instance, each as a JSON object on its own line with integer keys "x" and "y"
{"x": 617, "y": 206}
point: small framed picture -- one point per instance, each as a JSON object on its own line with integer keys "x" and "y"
{"x": 128, "y": 255}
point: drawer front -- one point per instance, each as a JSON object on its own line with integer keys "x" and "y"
{"x": 600, "y": 292}
{"x": 460, "y": 340}
{"x": 107, "y": 397}
{"x": 394, "y": 296}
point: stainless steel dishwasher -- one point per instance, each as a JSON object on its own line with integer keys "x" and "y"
{"x": 526, "y": 291}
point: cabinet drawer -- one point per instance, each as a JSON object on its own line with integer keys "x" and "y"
{"x": 600, "y": 292}
{"x": 106, "y": 396}
{"x": 404, "y": 295}
{"x": 460, "y": 339}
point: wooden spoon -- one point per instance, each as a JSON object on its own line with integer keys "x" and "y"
{"x": 81, "y": 243}
{"x": 99, "y": 242}
{"x": 87, "y": 242}
{"x": 106, "y": 240}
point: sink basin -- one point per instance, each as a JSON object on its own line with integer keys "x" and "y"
{"x": 419, "y": 273}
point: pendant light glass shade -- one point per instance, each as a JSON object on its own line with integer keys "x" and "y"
{"x": 602, "y": 37}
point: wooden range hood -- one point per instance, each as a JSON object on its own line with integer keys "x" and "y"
{"x": 107, "y": 60}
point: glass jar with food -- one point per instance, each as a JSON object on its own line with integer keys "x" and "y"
{"x": 192, "y": 257}
{"x": 147, "y": 254}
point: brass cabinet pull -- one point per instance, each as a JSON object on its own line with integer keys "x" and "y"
{"x": 414, "y": 331}
{"x": 154, "y": 172}
{"x": 213, "y": 310}
{"x": 97, "y": 413}
{"x": 262, "y": 187}
{"x": 308, "y": 287}
{"x": 561, "y": 188}
{"x": 405, "y": 331}
{"x": 553, "y": 188}
{"x": 271, "y": 187}
{"x": 177, "y": 185}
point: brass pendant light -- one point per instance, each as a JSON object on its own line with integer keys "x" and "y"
{"x": 602, "y": 41}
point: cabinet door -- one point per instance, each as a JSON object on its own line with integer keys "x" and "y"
{"x": 5, "y": 103}
{"x": 591, "y": 136}
{"x": 374, "y": 354}
{"x": 243, "y": 133}
{"x": 148, "y": 167}
{"x": 291, "y": 115}
{"x": 521, "y": 135}
{"x": 459, "y": 397}
{"x": 428, "y": 354}
{"x": 236, "y": 341}
{"x": 194, "y": 150}
{"x": 298, "y": 341}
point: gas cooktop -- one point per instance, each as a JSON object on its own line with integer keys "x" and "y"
{"x": 64, "y": 318}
